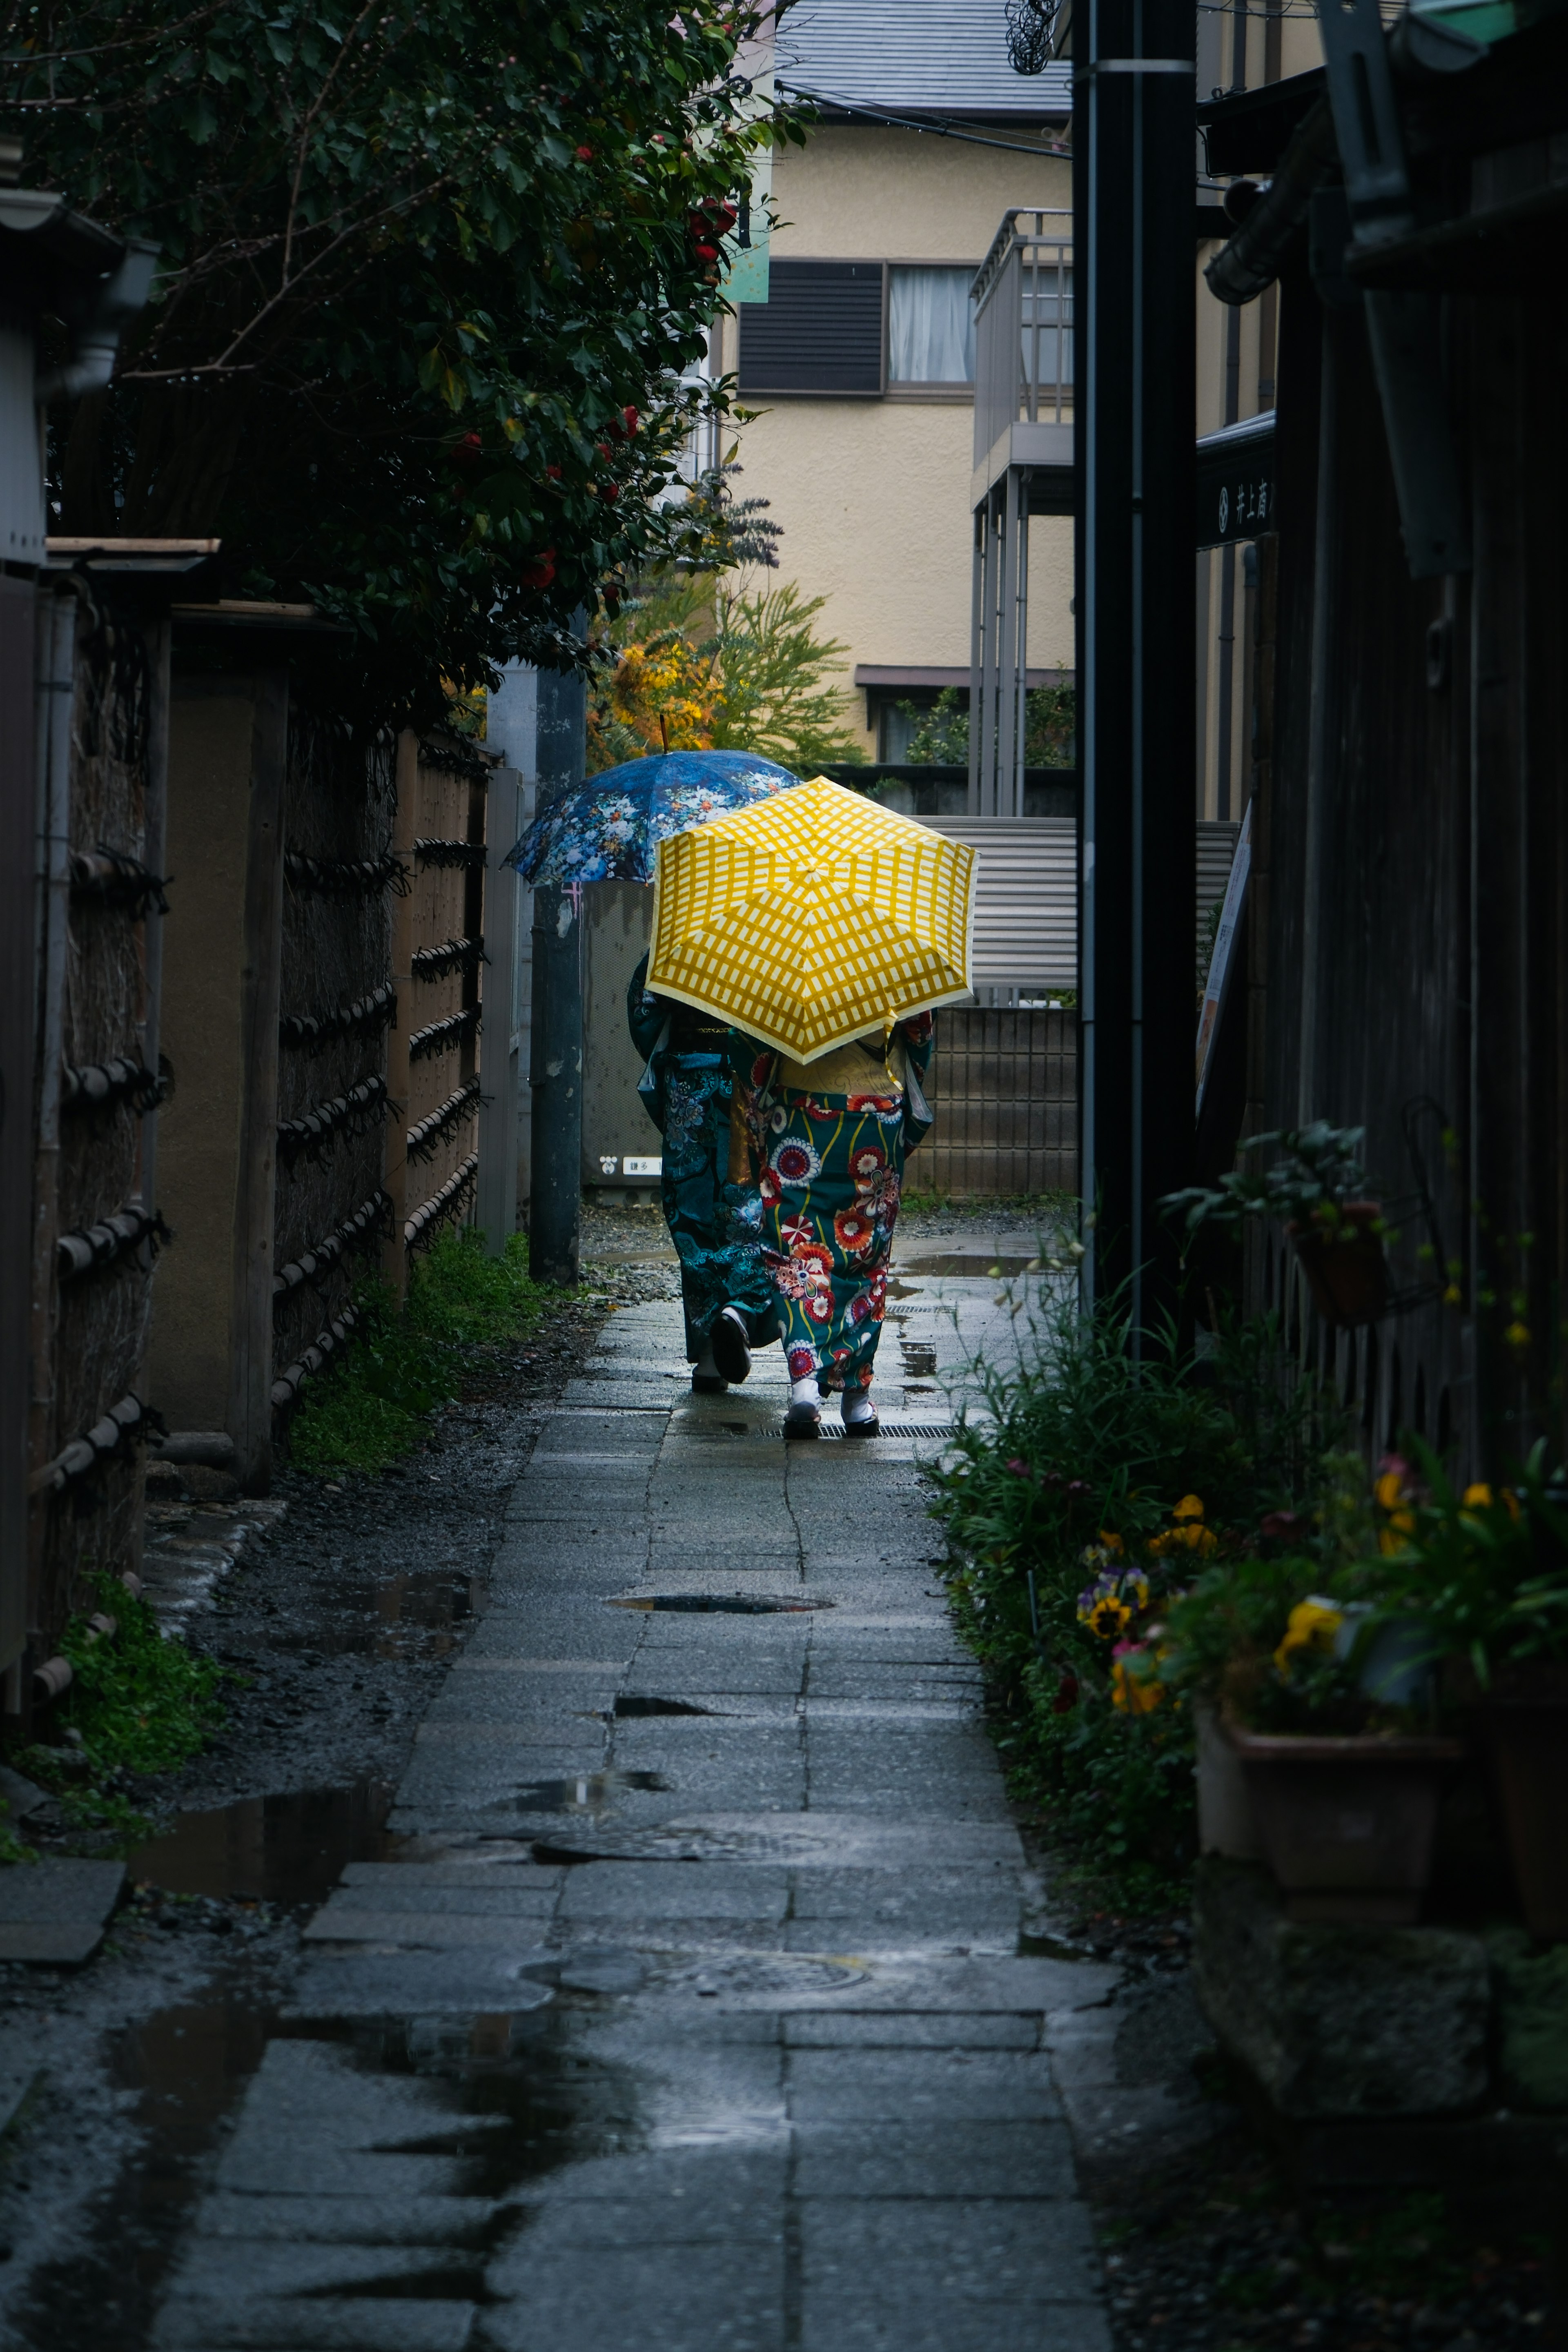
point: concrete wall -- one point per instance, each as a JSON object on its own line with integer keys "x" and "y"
{"x": 618, "y": 918}
{"x": 211, "y": 724}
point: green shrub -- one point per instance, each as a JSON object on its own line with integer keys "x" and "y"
{"x": 1089, "y": 1490}
{"x": 371, "y": 1407}
{"x": 140, "y": 1700}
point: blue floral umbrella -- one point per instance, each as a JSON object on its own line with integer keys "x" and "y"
{"x": 609, "y": 830}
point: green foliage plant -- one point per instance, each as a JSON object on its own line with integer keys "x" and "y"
{"x": 373, "y": 1406}
{"x": 138, "y": 1702}
{"x": 1313, "y": 1181}
{"x": 941, "y": 737}
{"x": 138, "y": 1699}
{"x": 777, "y": 696}
{"x": 432, "y": 277}
{"x": 1486, "y": 1569}
{"x": 1095, "y": 1485}
{"x": 701, "y": 665}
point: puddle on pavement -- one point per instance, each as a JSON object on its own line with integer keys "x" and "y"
{"x": 589, "y": 1792}
{"x": 696, "y": 1603}
{"x": 919, "y": 1359}
{"x": 515, "y": 2100}
{"x": 424, "y": 1614}
{"x": 187, "y": 2066}
{"x": 634, "y": 1704}
{"x": 287, "y": 1850}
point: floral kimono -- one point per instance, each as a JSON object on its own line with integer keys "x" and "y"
{"x": 830, "y": 1155}
{"x": 714, "y": 1222}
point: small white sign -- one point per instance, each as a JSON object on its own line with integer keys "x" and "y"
{"x": 609, "y": 1166}
{"x": 632, "y": 1166}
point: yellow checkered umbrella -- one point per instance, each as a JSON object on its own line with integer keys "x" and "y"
{"x": 811, "y": 918}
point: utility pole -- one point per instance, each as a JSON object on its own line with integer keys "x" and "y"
{"x": 555, "y": 1069}
{"x": 1133, "y": 184}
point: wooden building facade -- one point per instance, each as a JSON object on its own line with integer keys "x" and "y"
{"x": 1406, "y": 933}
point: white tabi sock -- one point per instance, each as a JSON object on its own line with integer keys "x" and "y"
{"x": 858, "y": 1406}
{"x": 806, "y": 1392}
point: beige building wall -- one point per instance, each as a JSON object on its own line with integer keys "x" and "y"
{"x": 873, "y": 494}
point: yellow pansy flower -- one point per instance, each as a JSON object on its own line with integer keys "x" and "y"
{"x": 1189, "y": 1508}
{"x": 1313, "y": 1625}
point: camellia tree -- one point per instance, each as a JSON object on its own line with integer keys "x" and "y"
{"x": 432, "y": 274}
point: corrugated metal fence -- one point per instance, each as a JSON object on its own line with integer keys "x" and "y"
{"x": 1026, "y": 905}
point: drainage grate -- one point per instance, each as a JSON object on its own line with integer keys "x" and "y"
{"x": 889, "y": 1428}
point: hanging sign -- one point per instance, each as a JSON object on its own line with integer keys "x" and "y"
{"x": 1236, "y": 482}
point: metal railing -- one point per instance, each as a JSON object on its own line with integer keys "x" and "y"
{"x": 1023, "y": 296}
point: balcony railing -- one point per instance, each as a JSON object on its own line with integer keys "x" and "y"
{"x": 1023, "y": 326}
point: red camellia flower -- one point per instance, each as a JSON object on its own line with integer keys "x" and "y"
{"x": 553, "y": 473}
{"x": 585, "y": 154}
{"x": 541, "y": 572}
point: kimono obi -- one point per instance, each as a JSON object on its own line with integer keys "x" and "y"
{"x": 691, "y": 1032}
{"x": 854, "y": 1069}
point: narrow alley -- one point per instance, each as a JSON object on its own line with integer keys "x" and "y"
{"x": 691, "y": 1999}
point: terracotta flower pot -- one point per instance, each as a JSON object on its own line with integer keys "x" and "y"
{"x": 1346, "y": 1272}
{"x": 1526, "y": 1714}
{"x": 1346, "y": 1825}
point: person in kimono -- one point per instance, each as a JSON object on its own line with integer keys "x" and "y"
{"x": 830, "y": 1139}
{"x": 710, "y": 1202}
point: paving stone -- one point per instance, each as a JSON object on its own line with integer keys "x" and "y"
{"x": 673, "y": 1890}
{"x": 676, "y": 2298}
{"x": 934, "y": 2252}
{"x": 927, "y": 2086}
{"x": 842, "y": 2160}
{"x": 56, "y": 1912}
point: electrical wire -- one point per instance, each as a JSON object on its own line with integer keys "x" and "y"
{"x": 938, "y": 125}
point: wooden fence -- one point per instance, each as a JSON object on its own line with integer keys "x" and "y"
{"x": 1004, "y": 1092}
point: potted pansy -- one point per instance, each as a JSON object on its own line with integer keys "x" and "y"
{"x": 1486, "y": 1569}
{"x": 1125, "y": 1595}
{"x": 1315, "y": 1185}
{"x": 1333, "y": 1737}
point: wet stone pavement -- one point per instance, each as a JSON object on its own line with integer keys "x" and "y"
{"x": 682, "y": 1997}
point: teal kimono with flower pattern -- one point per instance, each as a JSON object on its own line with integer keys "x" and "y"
{"x": 714, "y": 1223}
{"x": 829, "y": 1170}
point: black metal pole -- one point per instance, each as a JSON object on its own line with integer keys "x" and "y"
{"x": 1133, "y": 179}
{"x": 555, "y": 1063}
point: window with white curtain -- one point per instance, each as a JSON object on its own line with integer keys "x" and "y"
{"x": 931, "y": 325}
{"x": 1052, "y": 355}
